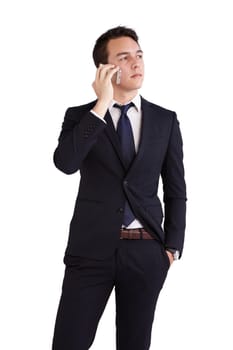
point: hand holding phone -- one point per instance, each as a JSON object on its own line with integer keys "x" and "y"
{"x": 103, "y": 87}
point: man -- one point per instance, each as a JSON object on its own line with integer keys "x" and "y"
{"x": 116, "y": 239}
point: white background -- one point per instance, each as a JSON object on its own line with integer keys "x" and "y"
{"x": 46, "y": 66}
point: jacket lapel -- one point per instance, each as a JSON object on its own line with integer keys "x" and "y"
{"x": 145, "y": 133}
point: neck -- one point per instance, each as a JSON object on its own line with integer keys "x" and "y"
{"x": 123, "y": 97}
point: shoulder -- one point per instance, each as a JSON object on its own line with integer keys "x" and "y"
{"x": 77, "y": 111}
{"x": 157, "y": 109}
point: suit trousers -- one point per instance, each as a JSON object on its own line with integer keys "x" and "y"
{"x": 136, "y": 272}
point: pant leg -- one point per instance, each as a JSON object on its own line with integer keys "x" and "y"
{"x": 142, "y": 267}
{"x": 86, "y": 288}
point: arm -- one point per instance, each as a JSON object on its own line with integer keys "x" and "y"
{"x": 76, "y": 140}
{"x": 81, "y": 128}
{"x": 174, "y": 188}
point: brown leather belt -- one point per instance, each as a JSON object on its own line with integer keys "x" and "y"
{"x": 135, "y": 233}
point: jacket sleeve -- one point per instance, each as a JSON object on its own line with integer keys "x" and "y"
{"x": 174, "y": 189}
{"x": 79, "y": 133}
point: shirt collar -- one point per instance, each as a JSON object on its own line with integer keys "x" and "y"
{"x": 136, "y": 101}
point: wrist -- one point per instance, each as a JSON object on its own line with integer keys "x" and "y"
{"x": 101, "y": 107}
{"x": 175, "y": 253}
{"x": 170, "y": 256}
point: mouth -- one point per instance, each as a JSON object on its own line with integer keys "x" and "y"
{"x": 137, "y": 75}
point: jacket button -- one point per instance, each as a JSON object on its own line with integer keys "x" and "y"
{"x": 126, "y": 183}
{"x": 120, "y": 210}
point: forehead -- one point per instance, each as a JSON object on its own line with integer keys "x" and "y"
{"x": 122, "y": 44}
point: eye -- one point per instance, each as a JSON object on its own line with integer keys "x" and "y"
{"x": 123, "y": 58}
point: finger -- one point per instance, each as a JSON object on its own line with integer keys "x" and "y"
{"x": 97, "y": 74}
{"x": 113, "y": 71}
{"x": 108, "y": 74}
{"x": 105, "y": 69}
{"x": 106, "y": 66}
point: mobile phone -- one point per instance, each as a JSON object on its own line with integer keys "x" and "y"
{"x": 118, "y": 77}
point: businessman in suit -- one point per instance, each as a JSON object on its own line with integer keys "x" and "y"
{"x": 119, "y": 237}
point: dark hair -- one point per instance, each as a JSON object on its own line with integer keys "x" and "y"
{"x": 100, "y": 54}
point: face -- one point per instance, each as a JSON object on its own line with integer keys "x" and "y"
{"x": 126, "y": 53}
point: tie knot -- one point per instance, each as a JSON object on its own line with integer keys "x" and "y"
{"x": 124, "y": 108}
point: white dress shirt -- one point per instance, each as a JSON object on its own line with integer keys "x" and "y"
{"x": 135, "y": 116}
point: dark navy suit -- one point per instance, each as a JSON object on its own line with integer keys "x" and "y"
{"x": 88, "y": 144}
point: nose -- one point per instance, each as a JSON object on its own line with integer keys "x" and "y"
{"x": 135, "y": 63}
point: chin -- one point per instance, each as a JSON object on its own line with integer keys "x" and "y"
{"x": 136, "y": 86}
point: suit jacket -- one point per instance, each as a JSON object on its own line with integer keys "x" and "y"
{"x": 87, "y": 144}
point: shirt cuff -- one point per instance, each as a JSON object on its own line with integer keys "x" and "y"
{"x": 175, "y": 253}
{"x": 96, "y": 115}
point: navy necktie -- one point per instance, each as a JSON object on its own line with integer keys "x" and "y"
{"x": 125, "y": 133}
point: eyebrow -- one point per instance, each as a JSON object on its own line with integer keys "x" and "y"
{"x": 127, "y": 53}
